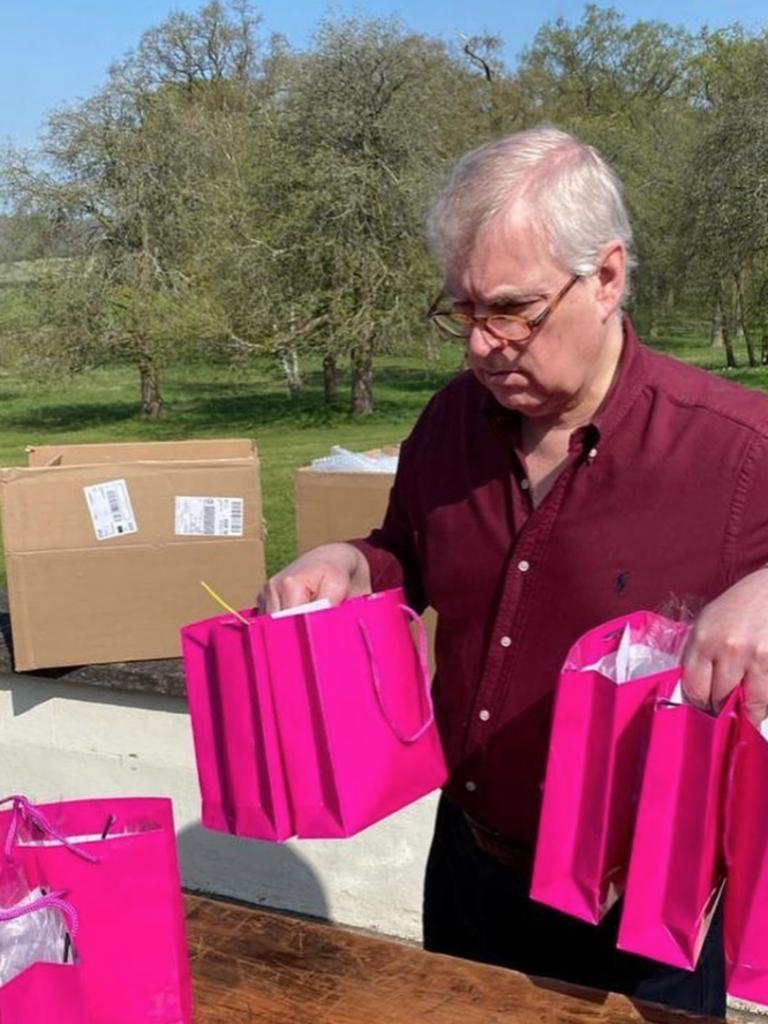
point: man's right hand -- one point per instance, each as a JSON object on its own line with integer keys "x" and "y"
{"x": 333, "y": 571}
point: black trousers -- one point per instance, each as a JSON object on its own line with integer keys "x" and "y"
{"x": 476, "y": 908}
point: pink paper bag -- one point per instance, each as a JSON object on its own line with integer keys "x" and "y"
{"x": 676, "y": 872}
{"x": 746, "y": 849}
{"x": 600, "y": 732}
{"x": 316, "y": 724}
{"x": 238, "y": 755}
{"x": 44, "y": 992}
{"x": 127, "y": 892}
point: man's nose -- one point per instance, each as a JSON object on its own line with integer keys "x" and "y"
{"x": 482, "y": 341}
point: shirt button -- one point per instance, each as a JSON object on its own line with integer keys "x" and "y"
{"x": 525, "y": 484}
{"x": 523, "y": 566}
{"x": 470, "y": 786}
{"x": 592, "y": 454}
{"x": 484, "y": 715}
{"x": 506, "y": 641}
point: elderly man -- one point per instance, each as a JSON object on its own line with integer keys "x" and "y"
{"x": 570, "y": 476}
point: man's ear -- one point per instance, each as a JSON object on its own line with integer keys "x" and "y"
{"x": 611, "y": 277}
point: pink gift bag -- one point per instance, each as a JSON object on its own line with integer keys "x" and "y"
{"x": 116, "y": 859}
{"x": 746, "y": 851}
{"x": 45, "y": 991}
{"x": 676, "y": 872}
{"x": 239, "y": 760}
{"x": 316, "y": 724}
{"x": 600, "y": 731}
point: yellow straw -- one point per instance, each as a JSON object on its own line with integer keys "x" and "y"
{"x": 223, "y": 603}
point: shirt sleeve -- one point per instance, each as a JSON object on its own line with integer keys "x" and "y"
{"x": 747, "y": 535}
{"x": 391, "y": 550}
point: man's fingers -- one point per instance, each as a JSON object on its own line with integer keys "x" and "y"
{"x": 727, "y": 672}
{"x": 329, "y": 571}
{"x": 756, "y": 693}
{"x": 333, "y": 586}
{"x": 283, "y": 592}
{"x": 697, "y": 678}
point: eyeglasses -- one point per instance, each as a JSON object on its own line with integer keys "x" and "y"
{"x": 504, "y": 326}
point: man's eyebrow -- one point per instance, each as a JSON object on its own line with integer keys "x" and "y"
{"x": 501, "y": 299}
{"x": 513, "y": 298}
{"x": 506, "y": 298}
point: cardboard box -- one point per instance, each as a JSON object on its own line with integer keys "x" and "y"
{"x": 340, "y": 506}
{"x": 106, "y": 544}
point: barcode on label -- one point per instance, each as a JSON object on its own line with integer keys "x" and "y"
{"x": 109, "y": 505}
{"x": 209, "y": 519}
{"x": 204, "y": 516}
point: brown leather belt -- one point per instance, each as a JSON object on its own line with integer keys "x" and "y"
{"x": 505, "y": 850}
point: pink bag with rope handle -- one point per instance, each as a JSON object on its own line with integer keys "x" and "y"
{"x": 677, "y": 868}
{"x": 116, "y": 860}
{"x": 316, "y": 724}
{"x": 746, "y": 856}
{"x": 44, "y": 991}
{"x": 598, "y": 744}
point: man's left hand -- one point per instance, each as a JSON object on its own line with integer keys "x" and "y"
{"x": 728, "y": 644}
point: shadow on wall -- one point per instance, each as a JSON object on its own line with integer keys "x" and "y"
{"x": 267, "y": 874}
{"x": 29, "y": 691}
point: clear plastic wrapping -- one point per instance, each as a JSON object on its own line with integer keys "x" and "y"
{"x": 655, "y": 647}
{"x": 32, "y": 936}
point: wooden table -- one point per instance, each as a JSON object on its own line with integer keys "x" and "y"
{"x": 251, "y": 965}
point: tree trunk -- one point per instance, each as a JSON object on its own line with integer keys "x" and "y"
{"x": 716, "y": 329}
{"x": 764, "y": 349}
{"x": 362, "y": 381}
{"x": 289, "y": 360}
{"x": 330, "y": 378}
{"x": 152, "y": 403}
{"x": 743, "y": 329}
{"x": 730, "y": 357}
{"x": 751, "y": 354}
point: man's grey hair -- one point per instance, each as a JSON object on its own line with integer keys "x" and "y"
{"x": 576, "y": 196}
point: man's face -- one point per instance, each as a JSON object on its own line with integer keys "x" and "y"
{"x": 511, "y": 271}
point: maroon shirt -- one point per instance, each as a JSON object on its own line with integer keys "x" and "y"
{"x": 664, "y": 494}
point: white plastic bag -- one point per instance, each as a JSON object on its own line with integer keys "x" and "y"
{"x": 342, "y": 460}
{"x": 33, "y": 927}
{"x": 642, "y": 654}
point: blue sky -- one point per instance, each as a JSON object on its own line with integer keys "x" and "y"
{"x": 53, "y": 52}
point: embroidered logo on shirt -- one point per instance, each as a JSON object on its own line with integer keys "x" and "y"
{"x": 621, "y": 582}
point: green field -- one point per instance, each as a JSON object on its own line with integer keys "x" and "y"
{"x": 218, "y": 401}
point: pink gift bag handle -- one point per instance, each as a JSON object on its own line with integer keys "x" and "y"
{"x": 423, "y": 651}
{"x": 23, "y": 810}
{"x": 53, "y": 900}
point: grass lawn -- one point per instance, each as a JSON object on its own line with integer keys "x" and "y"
{"x": 217, "y": 401}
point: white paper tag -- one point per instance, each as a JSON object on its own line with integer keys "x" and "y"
{"x": 111, "y": 510}
{"x": 300, "y": 609}
{"x": 208, "y": 517}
